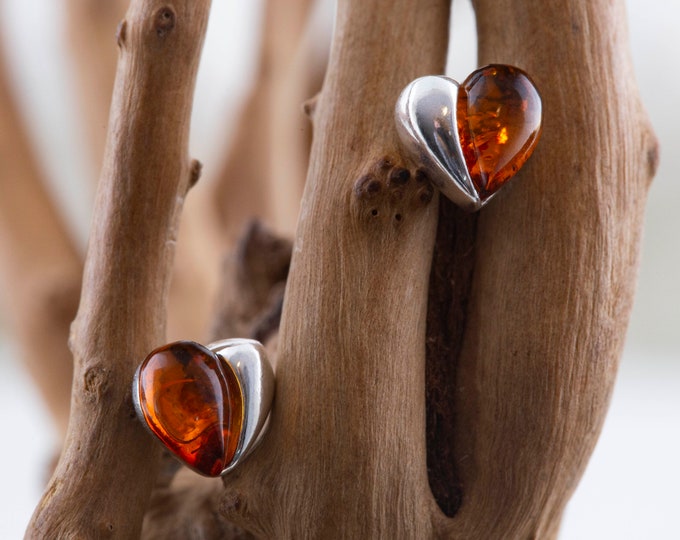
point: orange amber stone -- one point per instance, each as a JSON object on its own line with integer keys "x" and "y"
{"x": 499, "y": 122}
{"x": 193, "y": 402}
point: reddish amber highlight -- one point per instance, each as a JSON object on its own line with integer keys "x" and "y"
{"x": 193, "y": 402}
{"x": 499, "y": 122}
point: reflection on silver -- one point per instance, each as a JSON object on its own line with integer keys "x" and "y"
{"x": 425, "y": 116}
{"x": 248, "y": 359}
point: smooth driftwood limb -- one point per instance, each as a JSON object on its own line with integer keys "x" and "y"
{"x": 40, "y": 268}
{"x": 260, "y": 177}
{"x": 345, "y": 455}
{"x": 91, "y": 32}
{"x": 552, "y": 281}
{"x": 244, "y": 187}
{"x": 297, "y": 61}
{"x": 91, "y": 28}
{"x": 554, "y": 272}
{"x": 106, "y": 472}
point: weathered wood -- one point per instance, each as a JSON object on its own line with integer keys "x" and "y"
{"x": 106, "y": 472}
{"x": 253, "y": 278}
{"x": 255, "y": 179}
{"x": 449, "y": 293}
{"x": 554, "y": 265}
{"x": 554, "y": 273}
{"x": 529, "y": 303}
{"x": 40, "y": 266}
{"x": 345, "y": 454}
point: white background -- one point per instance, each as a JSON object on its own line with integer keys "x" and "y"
{"x": 630, "y": 490}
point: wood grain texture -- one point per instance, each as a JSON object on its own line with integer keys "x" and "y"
{"x": 536, "y": 333}
{"x": 556, "y": 259}
{"x": 40, "y": 267}
{"x": 145, "y": 177}
{"x": 345, "y": 455}
{"x": 528, "y": 301}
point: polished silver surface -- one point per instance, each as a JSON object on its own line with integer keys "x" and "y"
{"x": 249, "y": 360}
{"x": 425, "y": 116}
{"x": 136, "y": 402}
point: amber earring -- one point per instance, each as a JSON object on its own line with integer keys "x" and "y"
{"x": 207, "y": 405}
{"x": 473, "y": 137}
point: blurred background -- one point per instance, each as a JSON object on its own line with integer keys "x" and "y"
{"x": 629, "y": 490}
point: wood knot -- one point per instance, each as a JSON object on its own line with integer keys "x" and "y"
{"x": 95, "y": 382}
{"x": 367, "y": 187}
{"x": 390, "y": 192}
{"x": 398, "y": 177}
{"x": 165, "y": 21}
{"x": 232, "y": 503}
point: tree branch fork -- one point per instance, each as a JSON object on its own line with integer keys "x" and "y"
{"x": 524, "y": 373}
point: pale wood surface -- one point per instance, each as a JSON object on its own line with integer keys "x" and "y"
{"x": 106, "y": 472}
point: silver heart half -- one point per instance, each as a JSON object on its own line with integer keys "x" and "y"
{"x": 425, "y": 116}
{"x": 248, "y": 359}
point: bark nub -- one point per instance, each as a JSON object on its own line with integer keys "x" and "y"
{"x": 165, "y": 21}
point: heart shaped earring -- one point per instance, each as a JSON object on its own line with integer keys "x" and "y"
{"x": 473, "y": 137}
{"x": 207, "y": 405}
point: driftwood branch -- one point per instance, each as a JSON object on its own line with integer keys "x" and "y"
{"x": 263, "y": 174}
{"x": 253, "y": 279}
{"x": 144, "y": 180}
{"x": 91, "y": 28}
{"x": 40, "y": 267}
{"x": 554, "y": 270}
{"x": 438, "y": 374}
{"x": 346, "y": 450}
{"x": 539, "y": 288}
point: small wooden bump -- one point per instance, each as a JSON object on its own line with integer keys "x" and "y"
{"x": 195, "y": 174}
{"x": 421, "y": 176}
{"x": 165, "y": 21}
{"x": 121, "y": 33}
{"x": 367, "y": 187}
{"x": 425, "y": 195}
{"x": 309, "y": 106}
{"x": 399, "y": 176}
{"x": 652, "y": 159}
{"x": 385, "y": 163}
{"x": 96, "y": 382}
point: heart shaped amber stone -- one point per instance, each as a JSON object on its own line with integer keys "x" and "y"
{"x": 192, "y": 401}
{"x": 499, "y": 116}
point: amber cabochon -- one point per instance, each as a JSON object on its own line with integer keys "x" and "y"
{"x": 499, "y": 114}
{"x": 192, "y": 400}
